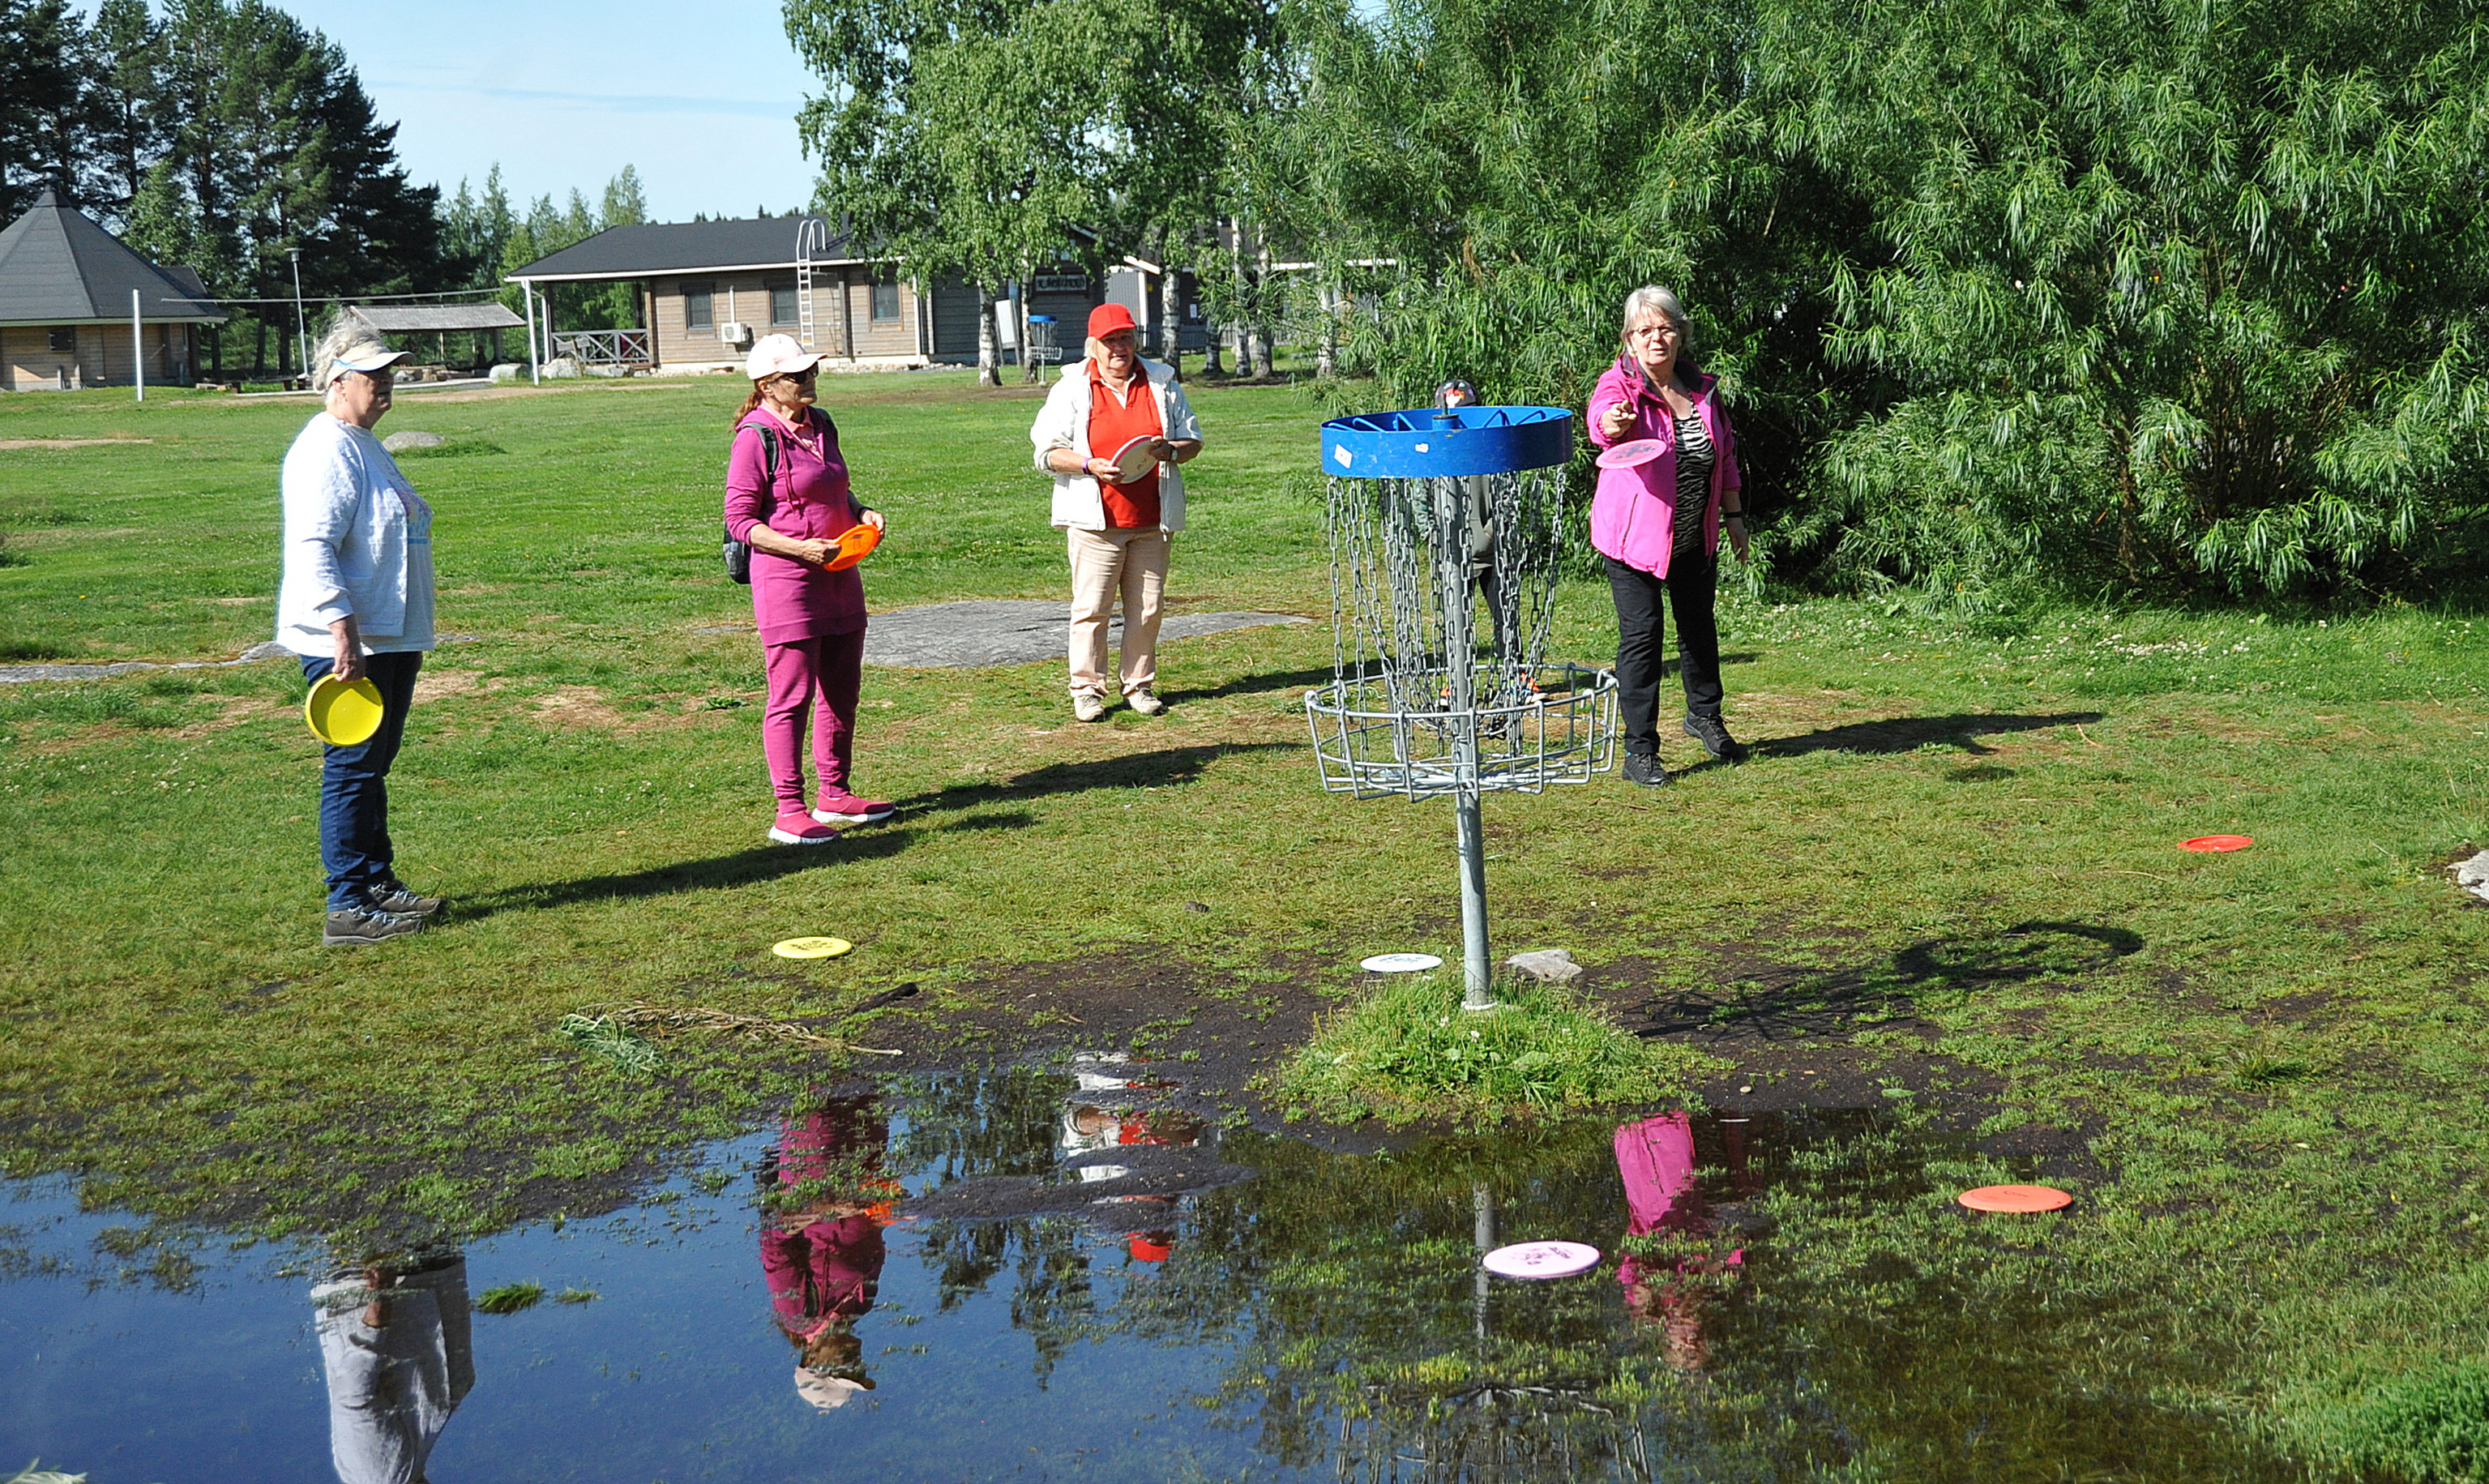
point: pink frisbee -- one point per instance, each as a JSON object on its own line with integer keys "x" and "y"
{"x": 1641, "y": 450}
{"x": 1541, "y": 1260}
{"x": 2214, "y": 844}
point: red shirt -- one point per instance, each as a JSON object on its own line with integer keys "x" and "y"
{"x": 1113, "y": 422}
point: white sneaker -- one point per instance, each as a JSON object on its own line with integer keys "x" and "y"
{"x": 1086, "y": 707}
{"x": 1146, "y": 702}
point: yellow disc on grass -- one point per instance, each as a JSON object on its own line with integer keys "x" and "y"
{"x": 812, "y": 947}
{"x": 343, "y": 715}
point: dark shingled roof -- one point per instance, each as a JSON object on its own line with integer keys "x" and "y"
{"x": 58, "y": 268}
{"x": 665, "y": 248}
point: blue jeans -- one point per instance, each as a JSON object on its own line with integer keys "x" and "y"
{"x": 354, "y": 783}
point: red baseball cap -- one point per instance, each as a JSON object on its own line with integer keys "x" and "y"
{"x": 1107, "y": 319}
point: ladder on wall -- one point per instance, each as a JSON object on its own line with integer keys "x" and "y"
{"x": 812, "y": 237}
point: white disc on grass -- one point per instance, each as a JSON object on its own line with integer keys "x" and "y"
{"x": 1399, "y": 964}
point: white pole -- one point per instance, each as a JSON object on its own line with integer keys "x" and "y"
{"x": 302, "y": 327}
{"x": 137, "y": 348}
{"x": 535, "y": 377}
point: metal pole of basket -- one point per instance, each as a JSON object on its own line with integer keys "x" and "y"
{"x": 1428, "y": 512}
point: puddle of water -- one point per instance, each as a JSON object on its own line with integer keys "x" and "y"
{"x": 1042, "y": 1275}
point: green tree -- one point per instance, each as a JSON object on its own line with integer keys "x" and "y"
{"x": 41, "y": 120}
{"x": 123, "y": 62}
{"x": 968, "y": 136}
{"x": 2176, "y": 298}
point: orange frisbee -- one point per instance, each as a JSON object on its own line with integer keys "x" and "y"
{"x": 2018, "y": 1198}
{"x": 2213, "y": 843}
{"x": 855, "y": 544}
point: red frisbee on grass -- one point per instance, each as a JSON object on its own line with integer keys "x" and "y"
{"x": 855, "y": 544}
{"x": 1641, "y": 450}
{"x": 2015, "y": 1198}
{"x": 2203, "y": 844}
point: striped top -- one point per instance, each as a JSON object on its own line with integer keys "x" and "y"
{"x": 1695, "y": 458}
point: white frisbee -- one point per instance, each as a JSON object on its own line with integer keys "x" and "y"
{"x": 1133, "y": 459}
{"x": 1399, "y": 964}
{"x": 1541, "y": 1260}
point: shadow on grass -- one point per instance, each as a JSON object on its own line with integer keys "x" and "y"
{"x": 1297, "y": 681}
{"x": 1794, "y": 1006}
{"x": 762, "y": 863}
{"x": 1909, "y": 733}
{"x": 1170, "y": 767}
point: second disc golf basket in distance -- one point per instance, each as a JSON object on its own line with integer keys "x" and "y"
{"x": 1446, "y": 531}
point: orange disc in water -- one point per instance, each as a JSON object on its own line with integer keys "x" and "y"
{"x": 2213, "y": 844}
{"x": 2018, "y": 1198}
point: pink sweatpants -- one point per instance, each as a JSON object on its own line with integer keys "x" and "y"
{"x": 824, "y": 674}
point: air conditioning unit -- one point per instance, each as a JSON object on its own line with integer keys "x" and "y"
{"x": 734, "y": 332}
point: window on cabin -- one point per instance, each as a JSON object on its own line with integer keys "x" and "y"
{"x": 696, "y": 302}
{"x": 63, "y": 341}
{"x": 885, "y": 299}
{"x": 782, "y": 303}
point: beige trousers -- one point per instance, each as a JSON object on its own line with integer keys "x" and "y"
{"x": 1105, "y": 564}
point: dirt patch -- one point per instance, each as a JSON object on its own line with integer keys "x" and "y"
{"x": 231, "y": 712}
{"x": 439, "y": 684}
{"x": 68, "y": 442}
{"x": 585, "y": 705}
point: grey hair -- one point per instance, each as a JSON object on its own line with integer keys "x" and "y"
{"x": 1651, "y": 299}
{"x": 344, "y": 332}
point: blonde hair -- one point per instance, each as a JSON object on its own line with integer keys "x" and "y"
{"x": 344, "y": 333}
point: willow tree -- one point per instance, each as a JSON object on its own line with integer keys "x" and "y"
{"x": 2179, "y": 296}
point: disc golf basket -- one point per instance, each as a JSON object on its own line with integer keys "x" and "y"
{"x": 1446, "y": 529}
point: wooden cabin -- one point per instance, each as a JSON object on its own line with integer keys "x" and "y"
{"x": 67, "y": 315}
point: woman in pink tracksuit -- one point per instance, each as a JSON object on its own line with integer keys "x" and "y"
{"x": 1659, "y": 522}
{"x": 787, "y": 497}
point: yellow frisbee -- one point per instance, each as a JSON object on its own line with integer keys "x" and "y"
{"x": 343, "y": 715}
{"x": 812, "y": 947}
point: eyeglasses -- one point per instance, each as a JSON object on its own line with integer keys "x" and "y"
{"x": 1661, "y": 330}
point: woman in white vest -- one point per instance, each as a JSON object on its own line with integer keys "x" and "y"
{"x": 1113, "y": 433}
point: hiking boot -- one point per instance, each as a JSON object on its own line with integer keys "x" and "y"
{"x": 1644, "y": 768}
{"x": 1713, "y": 735}
{"x": 794, "y": 827}
{"x": 392, "y": 896}
{"x": 1086, "y": 707}
{"x": 1145, "y": 702}
{"x": 362, "y": 926}
{"x": 840, "y": 806}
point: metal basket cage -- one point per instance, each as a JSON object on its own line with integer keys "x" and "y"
{"x": 1368, "y": 743}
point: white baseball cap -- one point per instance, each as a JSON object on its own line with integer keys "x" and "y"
{"x": 779, "y": 356}
{"x": 368, "y": 355}
{"x": 828, "y": 1393}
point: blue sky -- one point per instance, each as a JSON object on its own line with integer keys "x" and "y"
{"x": 701, "y": 98}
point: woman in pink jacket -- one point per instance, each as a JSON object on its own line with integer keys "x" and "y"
{"x": 787, "y": 497}
{"x": 1658, "y": 524}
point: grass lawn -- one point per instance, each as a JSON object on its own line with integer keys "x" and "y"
{"x": 1953, "y": 844}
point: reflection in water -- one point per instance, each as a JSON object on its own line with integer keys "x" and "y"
{"x": 1322, "y": 1319}
{"x": 1096, "y": 1120}
{"x": 822, "y": 1249}
{"x": 1655, "y": 1158}
{"x": 395, "y": 1346}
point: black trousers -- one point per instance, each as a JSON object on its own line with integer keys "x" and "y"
{"x": 1691, "y": 581}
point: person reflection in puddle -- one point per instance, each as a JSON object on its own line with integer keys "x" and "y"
{"x": 822, "y": 1253}
{"x": 1656, "y": 1156}
{"x": 1148, "y": 1221}
{"x": 395, "y": 1344}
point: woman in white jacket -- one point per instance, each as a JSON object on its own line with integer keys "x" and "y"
{"x": 356, "y": 601}
{"x": 1117, "y": 516}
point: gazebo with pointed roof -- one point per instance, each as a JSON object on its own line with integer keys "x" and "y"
{"x": 66, "y": 311}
